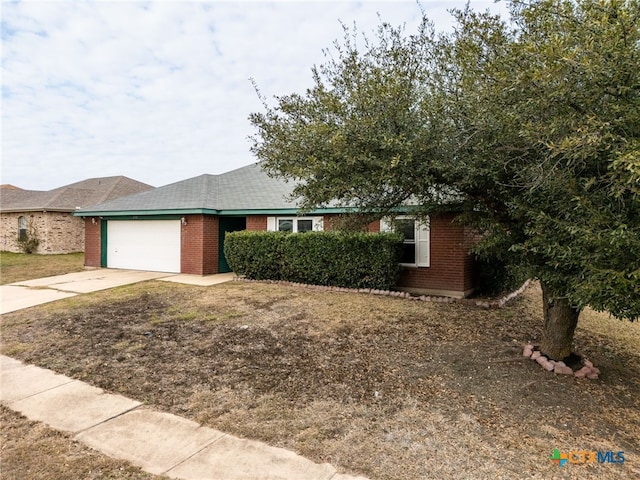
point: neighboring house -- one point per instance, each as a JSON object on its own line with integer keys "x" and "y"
{"x": 180, "y": 228}
{"x": 49, "y": 214}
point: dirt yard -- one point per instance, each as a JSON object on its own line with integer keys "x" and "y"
{"x": 383, "y": 387}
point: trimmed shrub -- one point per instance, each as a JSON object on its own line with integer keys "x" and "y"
{"x": 254, "y": 254}
{"x": 352, "y": 260}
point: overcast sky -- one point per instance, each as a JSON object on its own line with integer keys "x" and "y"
{"x": 159, "y": 91}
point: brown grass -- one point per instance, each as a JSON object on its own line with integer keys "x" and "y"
{"x": 383, "y": 387}
{"x": 16, "y": 267}
{"x": 32, "y": 451}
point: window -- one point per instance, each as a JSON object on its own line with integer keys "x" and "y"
{"x": 294, "y": 224}
{"x": 22, "y": 228}
{"x": 407, "y": 228}
{"x": 416, "y": 241}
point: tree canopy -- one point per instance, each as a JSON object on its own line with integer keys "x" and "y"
{"x": 531, "y": 122}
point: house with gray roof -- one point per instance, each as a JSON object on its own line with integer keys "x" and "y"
{"x": 48, "y": 215}
{"x": 180, "y": 228}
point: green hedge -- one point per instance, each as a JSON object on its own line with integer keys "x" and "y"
{"x": 352, "y": 260}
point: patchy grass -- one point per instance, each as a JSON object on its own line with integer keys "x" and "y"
{"x": 30, "y": 450}
{"x": 383, "y": 387}
{"x": 15, "y": 267}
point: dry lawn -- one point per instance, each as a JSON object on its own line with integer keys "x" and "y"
{"x": 383, "y": 387}
{"x": 16, "y": 267}
{"x": 30, "y": 450}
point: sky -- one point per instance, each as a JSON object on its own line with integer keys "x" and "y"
{"x": 160, "y": 91}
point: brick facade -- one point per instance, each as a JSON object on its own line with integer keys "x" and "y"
{"x": 92, "y": 235}
{"x": 257, "y": 222}
{"x": 199, "y": 245}
{"x": 58, "y": 232}
{"x": 450, "y": 272}
{"x": 451, "y": 267}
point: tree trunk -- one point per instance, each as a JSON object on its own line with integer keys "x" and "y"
{"x": 560, "y": 320}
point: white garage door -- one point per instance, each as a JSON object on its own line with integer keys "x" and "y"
{"x": 144, "y": 245}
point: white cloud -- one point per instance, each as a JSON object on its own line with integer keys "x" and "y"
{"x": 159, "y": 91}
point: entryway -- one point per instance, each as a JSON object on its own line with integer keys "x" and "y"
{"x": 228, "y": 224}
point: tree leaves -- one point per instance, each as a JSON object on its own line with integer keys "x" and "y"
{"x": 533, "y": 124}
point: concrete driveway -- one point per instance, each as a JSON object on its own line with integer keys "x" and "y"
{"x": 29, "y": 293}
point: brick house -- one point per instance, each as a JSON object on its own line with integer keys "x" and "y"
{"x": 180, "y": 228}
{"x": 49, "y": 214}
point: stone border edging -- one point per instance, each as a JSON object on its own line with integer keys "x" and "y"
{"x": 488, "y": 304}
{"x": 586, "y": 371}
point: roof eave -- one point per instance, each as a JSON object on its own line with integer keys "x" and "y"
{"x": 208, "y": 211}
{"x": 126, "y": 213}
{"x": 38, "y": 210}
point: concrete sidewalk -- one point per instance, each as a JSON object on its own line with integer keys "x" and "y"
{"x": 158, "y": 442}
{"x": 29, "y": 293}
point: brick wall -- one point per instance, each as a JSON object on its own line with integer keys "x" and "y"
{"x": 9, "y": 232}
{"x": 92, "y": 235}
{"x": 199, "y": 245}
{"x": 451, "y": 267}
{"x": 257, "y": 222}
{"x": 58, "y": 232}
{"x": 470, "y": 238}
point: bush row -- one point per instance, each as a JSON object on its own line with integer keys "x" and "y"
{"x": 341, "y": 259}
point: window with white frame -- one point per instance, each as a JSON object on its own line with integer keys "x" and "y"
{"x": 294, "y": 224}
{"x": 416, "y": 239}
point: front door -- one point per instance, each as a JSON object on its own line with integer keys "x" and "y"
{"x": 228, "y": 224}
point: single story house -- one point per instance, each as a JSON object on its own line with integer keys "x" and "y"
{"x": 180, "y": 228}
{"x": 49, "y": 214}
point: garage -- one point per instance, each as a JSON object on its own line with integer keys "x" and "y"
{"x": 152, "y": 245}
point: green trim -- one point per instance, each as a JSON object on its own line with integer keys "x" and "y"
{"x": 170, "y": 214}
{"x": 103, "y": 243}
{"x": 207, "y": 211}
{"x": 146, "y": 213}
{"x": 141, "y": 217}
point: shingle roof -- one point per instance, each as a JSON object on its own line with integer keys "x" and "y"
{"x": 247, "y": 188}
{"x": 70, "y": 197}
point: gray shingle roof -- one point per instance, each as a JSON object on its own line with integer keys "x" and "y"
{"x": 68, "y": 198}
{"x": 247, "y": 188}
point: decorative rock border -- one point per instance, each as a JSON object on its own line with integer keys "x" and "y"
{"x": 560, "y": 368}
{"x": 488, "y": 304}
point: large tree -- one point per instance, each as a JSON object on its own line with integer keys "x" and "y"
{"x": 533, "y": 123}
